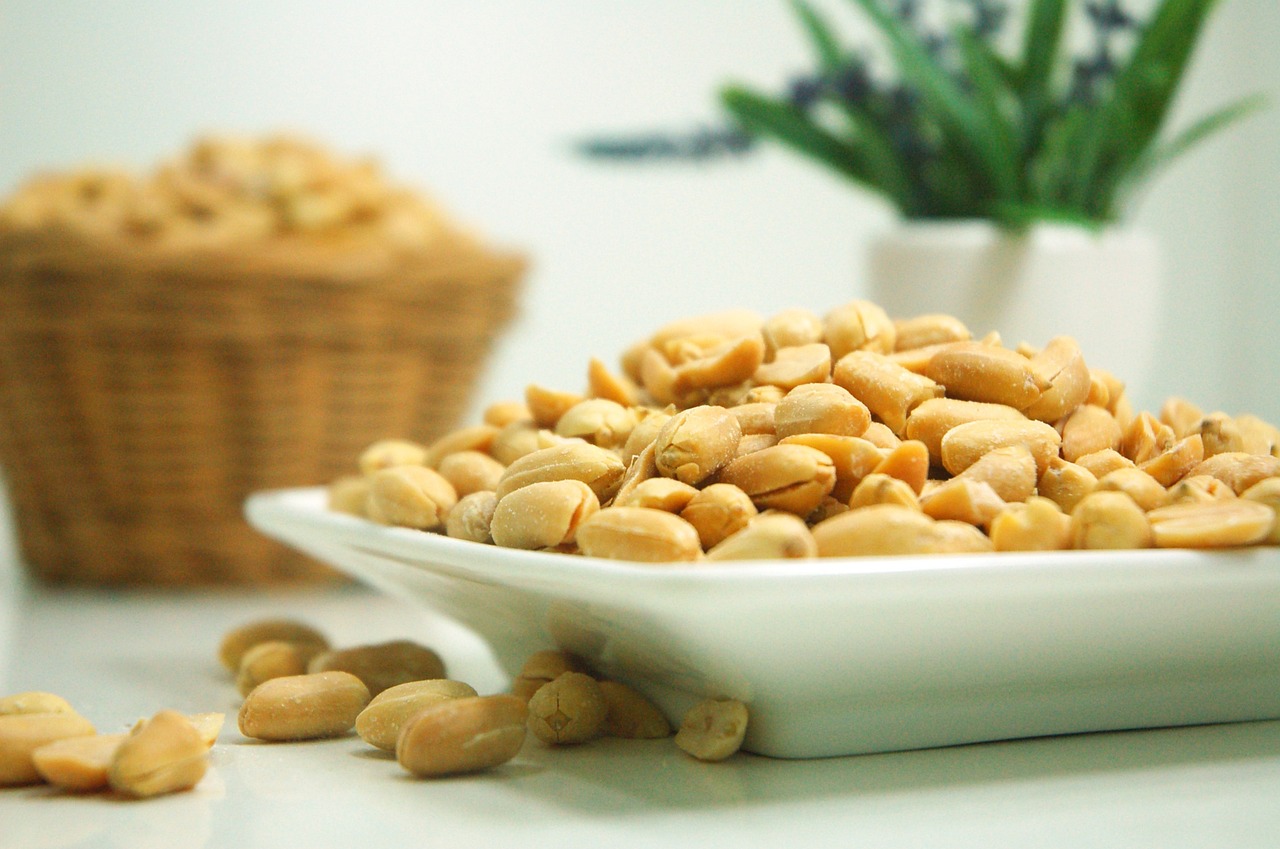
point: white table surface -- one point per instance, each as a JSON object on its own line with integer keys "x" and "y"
{"x": 118, "y": 656}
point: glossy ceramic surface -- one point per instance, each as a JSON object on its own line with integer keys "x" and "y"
{"x": 848, "y": 656}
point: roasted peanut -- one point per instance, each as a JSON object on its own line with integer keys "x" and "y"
{"x": 273, "y": 659}
{"x": 597, "y": 467}
{"x": 852, "y": 457}
{"x": 713, "y": 729}
{"x": 548, "y": 405}
{"x": 753, "y": 442}
{"x": 410, "y": 496}
{"x": 349, "y": 494}
{"x": 729, "y": 324}
{"x": 471, "y": 517}
{"x": 1010, "y": 471}
{"x": 1038, "y": 524}
{"x": 303, "y": 707}
{"x": 794, "y": 478}
{"x": 820, "y": 408}
{"x": 859, "y": 326}
{"x": 165, "y": 755}
{"x": 1267, "y": 491}
{"x": 541, "y": 667}
{"x": 502, "y": 413}
{"x": 519, "y": 438}
{"x": 888, "y": 390}
{"x": 770, "y": 536}
{"x": 1239, "y": 470}
{"x": 638, "y": 534}
{"x": 470, "y": 472}
{"x": 21, "y": 734}
{"x": 1259, "y": 437}
{"x": 1100, "y": 463}
{"x": 644, "y": 433}
{"x": 794, "y": 366}
{"x": 382, "y": 665}
{"x": 1144, "y": 438}
{"x": 922, "y": 331}
{"x": 1219, "y": 434}
{"x": 1181, "y": 415}
{"x": 386, "y": 453}
{"x": 475, "y": 438}
{"x": 382, "y": 720}
{"x": 658, "y": 493}
{"x": 568, "y": 709}
{"x": 963, "y": 500}
{"x": 790, "y": 328}
{"x": 931, "y": 420}
{"x": 878, "y": 488}
{"x": 602, "y": 383}
{"x": 1109, "y": 520}
{"x": 1211, "y": 524}
{"x": 696, "y": 443}
{"x": 598, "y": 421}
{"x": 1066, "y": 483}
{"x": 973, "y": 371}
{"x": 34, "y": 701}
{"x": 1088, "y": 429}
{"x": 717, "y": 511}
{"x": 462, "y": 735}
{"x": 630, "y": 715}
{"x": 239, "y": 640}
{"x": 964, "y": 444}
{"x": 908, "y": 462}
{"x": 1061, "y": 364}
{"x": 726, "y": 365}
{"x": 756, "y": 417}
{"x": 890, "y": 529}
{"x": 544, "y": 514}
{"x": 1146, "y": 491}
{"x": 77, "y": 764}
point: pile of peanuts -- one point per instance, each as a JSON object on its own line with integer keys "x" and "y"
{"x": 396, "y": 697}
{"x": 733, "y": 437}
{"x": 44, "y": 739}
{"x": 227, "y": 190}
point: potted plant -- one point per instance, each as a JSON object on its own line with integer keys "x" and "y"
{"x": 1011, "y": 170}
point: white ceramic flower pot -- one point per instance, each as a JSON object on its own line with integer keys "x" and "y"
{"x": 1102, "y": 288}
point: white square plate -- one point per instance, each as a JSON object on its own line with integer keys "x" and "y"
{"x": 853, "y": 655}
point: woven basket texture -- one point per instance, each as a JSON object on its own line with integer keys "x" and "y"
{"x": 145, "y": 394}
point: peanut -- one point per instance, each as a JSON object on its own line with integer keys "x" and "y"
{"x": 964, "y": 444}
{"x": 382, "y": 665}
{"x": 77, "y": 764}
{"x": 382, "y": 720}
{"x": 34, "y": 701}
{"x": 794, "y": 478}
{"x": 638, "y": 534}
{"x": 303, "y": 707}
{"x": 799, "y": 365}
{"x": 630, "y": 715}
{"x": 974, "y": 371}
{"x": 859, "y": 326}
{"x": 598, "y": 421}
{"x": 410, "y": 496}
{"x": 695, "y": 444}
{"x": 544, "y": 514}
{"x": 568, "y": 709}
{"x": 273, "y": 659}
{"x": 718, "y": 511}
{"x": 713, "y": 729}
{"x": 472, "y": 516}
{"x": 470, "y": 471}
{"x": 239, "y": 640}
{"x": 21, "y": 734}
{"x": 477, "y": 438}
{"x": 387, "y": 453}
{"x": 1109, "y": 520}
{"x": 462, "y": 735}
{"x": 789, "y": 329}
{"x": 1211, "y": 524}
{"x": 542, "y": 667}
{"x": 597, "y": 467}
{"x": 165, "y": 755}
{"x": 770, "y": 536}
{"x": 887, "y": 389}
{"x": 922, "y": 331}
{"x": 820, "y": 408}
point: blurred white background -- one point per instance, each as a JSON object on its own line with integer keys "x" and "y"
{"x": 478, "y": 102}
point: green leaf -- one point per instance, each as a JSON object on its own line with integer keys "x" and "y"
{"x": 991, "y": 92}
{"x": 1041, "y": 46}
{"x": 1131, "y": 115}
{"x": 766, "y": 116}
{"x": 824, "y": 42}
{"x": 877, "y": 149}
{"x": 1160, "y": 156}
{"x": 954, "y": 110}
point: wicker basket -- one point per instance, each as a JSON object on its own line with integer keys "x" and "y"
{"x": 145, "y": 394}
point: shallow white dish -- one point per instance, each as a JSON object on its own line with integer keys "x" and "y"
{"x": 847, "y": 656}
